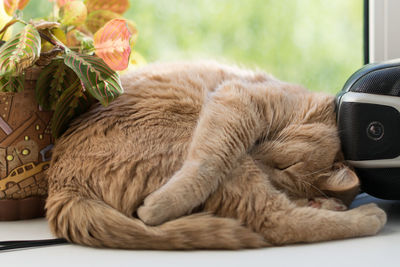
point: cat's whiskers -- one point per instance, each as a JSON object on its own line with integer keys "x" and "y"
{"x": 316, "y": 188}
{"x": 316, "y": 172}
{"x": 305, "y": 186}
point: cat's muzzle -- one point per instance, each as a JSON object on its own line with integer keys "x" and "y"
{"x": 368, "y": 118}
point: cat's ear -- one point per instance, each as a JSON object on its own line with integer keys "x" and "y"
{"x": 343, "y": 184}
{"x": 341, "y": 180}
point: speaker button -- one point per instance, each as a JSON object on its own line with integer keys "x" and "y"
{"x": 375, "y": 130}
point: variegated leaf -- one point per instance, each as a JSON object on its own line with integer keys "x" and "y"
{"x": 11, "y": 5}
{"x": 53, "y": 80}
{"x": 20, "y": 52}
{"x": 71, "y": 103}
{"x": 118, "y": 6}
{"x": 97, "y": 19}
{"x": 111, "y": 43}
{"x": 98, "y": 79}
{"x": 12, "y": 84}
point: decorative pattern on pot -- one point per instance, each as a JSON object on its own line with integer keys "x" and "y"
{"x": 25, "y": 150}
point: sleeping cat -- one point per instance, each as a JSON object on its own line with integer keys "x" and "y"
{"x": 202, "y": 155}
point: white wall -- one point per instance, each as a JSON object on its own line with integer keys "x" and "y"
{"x": 384, "y": 30}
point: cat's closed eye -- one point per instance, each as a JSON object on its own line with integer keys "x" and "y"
{"x": 286, "y": 165}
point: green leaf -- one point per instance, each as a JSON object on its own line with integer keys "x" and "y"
{"x": 98, "y": 79}
{"x": 20, "y": 52}
{"x": 11, "y": 83}
{"x": 54, "y": 79}
{"x": 71, "y": 103}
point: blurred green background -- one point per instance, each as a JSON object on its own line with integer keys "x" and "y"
{"x": 314, "y": 43}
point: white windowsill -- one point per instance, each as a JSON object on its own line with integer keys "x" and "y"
{"x": 382, "y": 249}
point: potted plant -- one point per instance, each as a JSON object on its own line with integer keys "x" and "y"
{"x": 52, "y": 70}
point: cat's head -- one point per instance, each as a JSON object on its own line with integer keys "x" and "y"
{"x": 304, "y": 158}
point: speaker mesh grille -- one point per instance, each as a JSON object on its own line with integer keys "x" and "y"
{"x": 382, "y": 82}
{"x": 385, "y": 182}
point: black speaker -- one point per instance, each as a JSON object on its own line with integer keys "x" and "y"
{"x": 368, "y": 120}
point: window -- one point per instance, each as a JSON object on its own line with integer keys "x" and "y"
{"x": 29, "y": 167}
{"x": 314, "y": 43}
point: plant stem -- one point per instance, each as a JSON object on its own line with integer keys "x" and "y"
{"x": 59, "y": 43}
{"x": 47, "y": 38}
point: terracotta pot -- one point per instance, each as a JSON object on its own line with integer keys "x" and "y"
{"x": 25, "y": 150}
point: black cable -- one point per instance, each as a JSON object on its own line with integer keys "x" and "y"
{"x": 17, "y": 244}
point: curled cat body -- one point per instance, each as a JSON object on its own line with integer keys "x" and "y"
{"x": 199, "y": 155}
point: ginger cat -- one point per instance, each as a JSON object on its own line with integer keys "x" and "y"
{"x": 216, "y": 156}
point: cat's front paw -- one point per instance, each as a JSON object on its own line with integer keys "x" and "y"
{"x": 369, "y": 219}
{"x": 176, "y": 198}
{"x": 156, "y": 209}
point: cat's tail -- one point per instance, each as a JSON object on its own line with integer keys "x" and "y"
{"x": 94, "y": 223}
